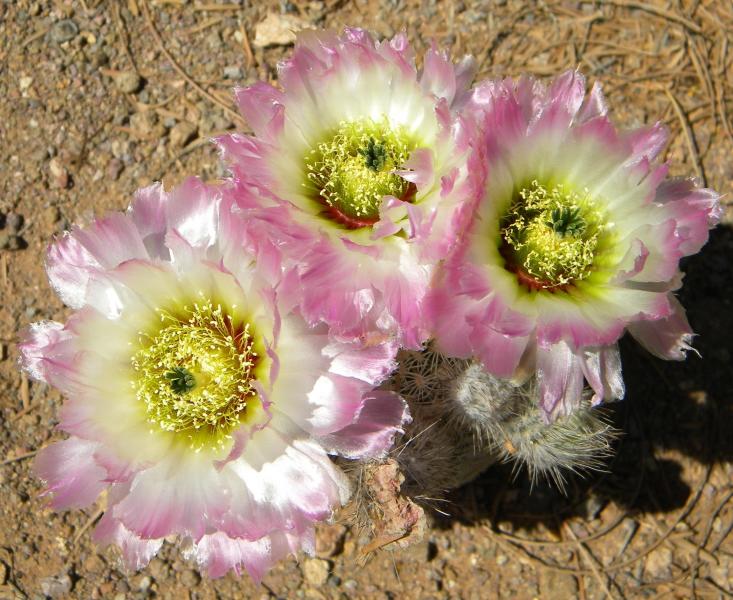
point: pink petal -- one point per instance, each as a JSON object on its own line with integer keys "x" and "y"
{"x": 193, "y": 213}
{"x": 260, "y": 104}
{"x": 173, "y": 497}
{"x": 438, "y": 76}
{"x": 667, "y": 338}
{"x": 136, "y": 551}
{"x": 646, "y": 142}
{"x": 112, "y": 240}
{"x": 594, "y": 105}
{"x": 334, "y": 400}
{"x": 71, "y": 473}
{"x": 69, "y": 265}
{"x": 391, "y": 212}
{"x": 372, "y": 432}
{"x": 280, "y": 484}
{"x": 372, "y": 364}
{"x": 602, "y": 370}
{"x": 632, "y": 262}
{"x": 664, "y": 252}
{"x": 247, "y": 158}
{"x": 448, "y": 324}
{"x": 560, "y": 376}
{"x": 561, "y": 102}
{"x": 465, "y": 71}
{"x": 568, "y": 90}
{"x": 218, "y": 554}
{"x": 419, "y": 168}
{"x": 148, "y": 213}
{"x": 404, "y": 298}
{"x": 500, "y": 353}
{"x": 48, "y": 354}
{"x": 694, "y": 209}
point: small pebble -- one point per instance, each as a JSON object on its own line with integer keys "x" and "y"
{"x": 315, "y": 571}
{"x": 93, "y": 564}
{"x": 232, "y": 72}
{"x": 213, "y": 40}
{"x": 128, "y": 82}
{"x": 144, "y": 583}
{"x": 59, "y": 173}
{"x": 190, "y": 578}
{"x": 56, "y": 587}
{"x": 158, "y": 569}
{"x": 63, "y": 31}
{"x": 114, "y": 168}
{"x": 14, "y": 222}
{"x": 182, "y": 133}
{"x": 10, "y": 241}
{"x": 277, "y": 30}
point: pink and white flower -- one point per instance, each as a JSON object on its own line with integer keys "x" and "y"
{"x": 364, "y": 159}
{"x": 203, "y": 408}
{"x": 576, "y": 239}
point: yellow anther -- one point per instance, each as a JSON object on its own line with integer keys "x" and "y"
{"x": 551, "y": 234}
{"x": 195, "y": 374}
{"x": 352, "y": 171}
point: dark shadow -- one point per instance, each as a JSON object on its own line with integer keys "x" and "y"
{"x": 670, "y": 406}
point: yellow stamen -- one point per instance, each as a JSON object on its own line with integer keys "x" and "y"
{"x": 351, "y": 171}
{"x": 551, "y": 234}
{"x": 195, "y": 374}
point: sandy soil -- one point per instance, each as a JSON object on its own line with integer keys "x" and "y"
{"x": 94, "y": 107}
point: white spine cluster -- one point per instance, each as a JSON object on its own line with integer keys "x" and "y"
{"x": 465, "y": 419}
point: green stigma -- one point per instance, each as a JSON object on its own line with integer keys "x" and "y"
{"x": 194, "y": 376}
{"x": 181, "y": 380}
{"x": 550, "y": 235}
{"x": 352, "y": 171}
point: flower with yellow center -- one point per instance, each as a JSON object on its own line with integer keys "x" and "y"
{"x": 195, "y": 374}
{"x": 575, "y": 239}
{"x": 364, "y": 159}
{"x": 202, "y": 407}
{"x": 350, "y": 173}
{"x": 550, "y": 237}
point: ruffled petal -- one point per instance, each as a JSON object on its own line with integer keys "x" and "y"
{"x": 372, "y": 432}
{"x": 71, "y": 473}
{"x": 112, "y": 240}
{"x": 261, "y": 105}
{"x": 560, "y": 375}
{"x": 602, "y": 370}
{"x": 218, "y": 554}
{"x": 137, "y": 552}
{"x": 69, "y": 265}
{"x": 667, "y": 338}
{"x": 695, "y": 211}
{"x": 48, "y": 354}
{"x": 179, "y": 495}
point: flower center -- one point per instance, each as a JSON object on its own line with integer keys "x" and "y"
{"x": 352, "y": 171}
{"x": 195, "y": 374}
{"x": 550, "y": 235}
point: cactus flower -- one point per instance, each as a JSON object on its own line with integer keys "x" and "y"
{"x": 364, "y": 159}
{"x": 576, "y": 239}
{"x": 203, "y": 409}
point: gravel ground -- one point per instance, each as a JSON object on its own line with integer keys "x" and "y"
{"x": 102, "y": 97}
